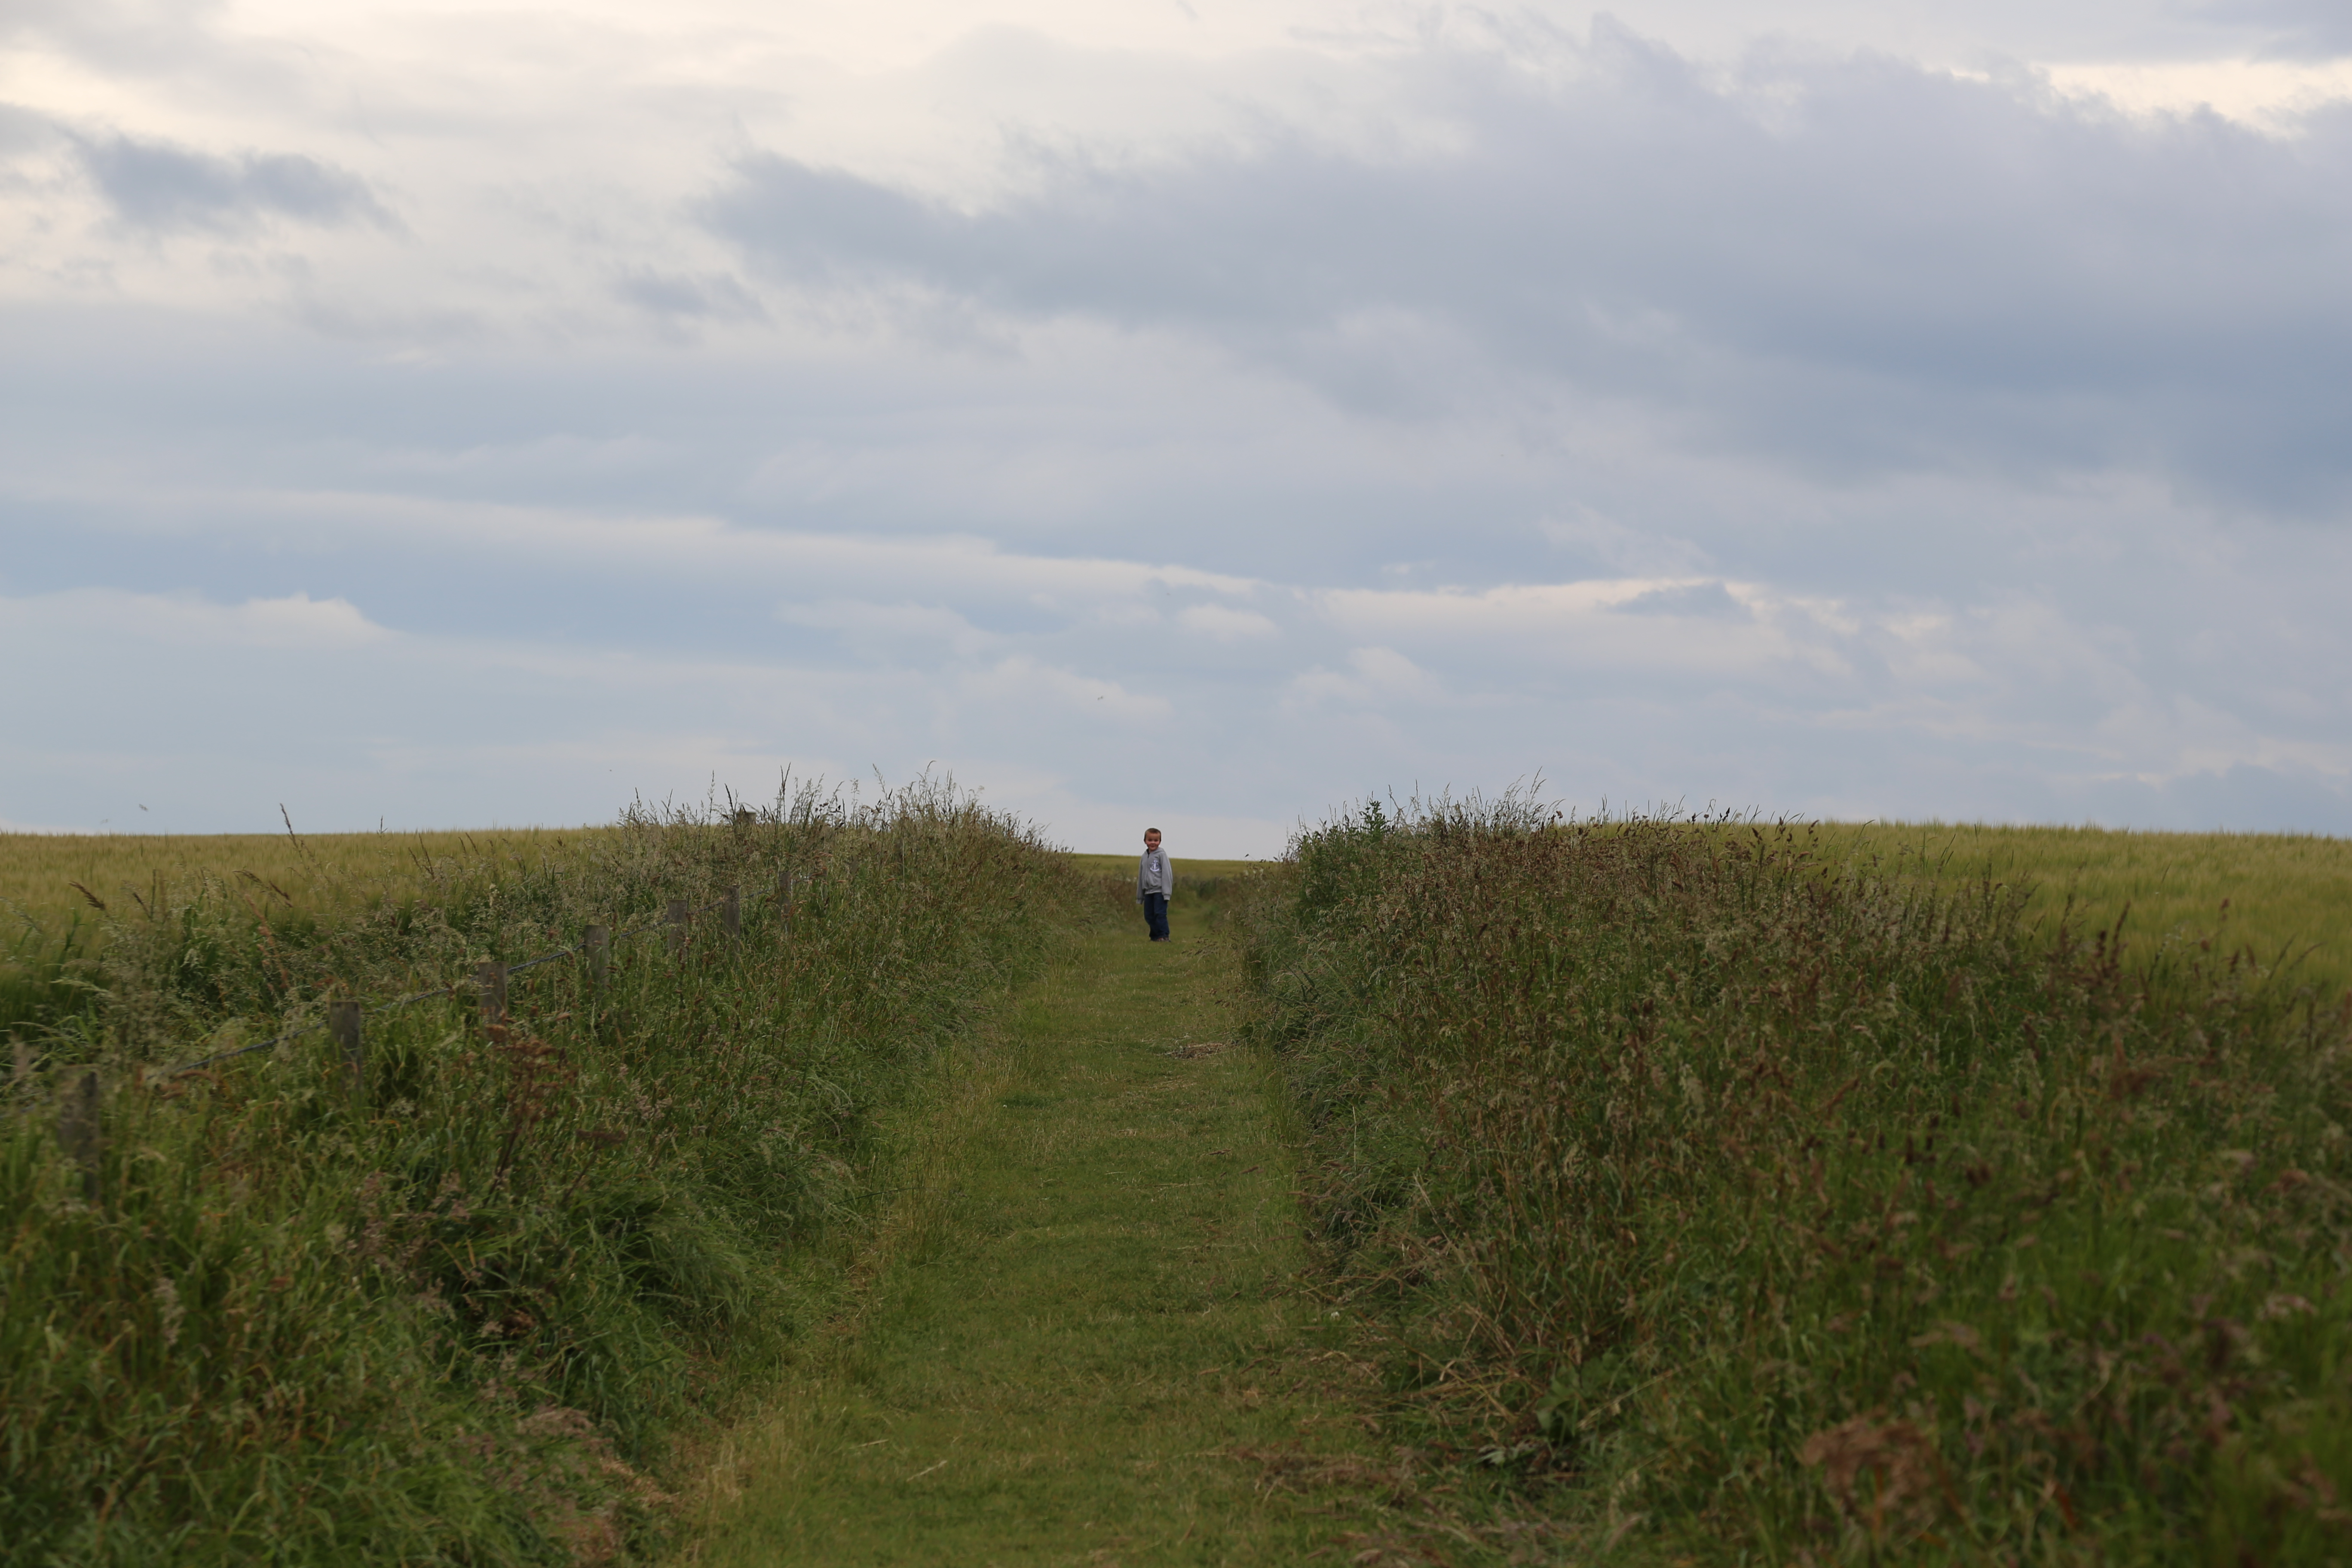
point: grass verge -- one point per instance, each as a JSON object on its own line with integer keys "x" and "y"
{"x": 454, "y": 1315}
{"x": 1723, "y": 1207}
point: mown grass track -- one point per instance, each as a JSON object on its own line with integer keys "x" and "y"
{"x": 1087, "y": 1339}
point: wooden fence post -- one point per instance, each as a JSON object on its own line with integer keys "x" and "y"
{"x": 730, "y": 913}
{"x": 490, "y": 981}
{"x": 78, "y": 1131}
{"x": 598, "y": 946}
{"x": 675, "y": 926}
{"x": 343, "y": 1025}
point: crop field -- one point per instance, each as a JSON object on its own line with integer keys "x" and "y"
{"x": 2286, "y": 894}
{"x": 39, "y": 871}
{"x": 58, "y": 890}
{"x": 1719, "y": 1206}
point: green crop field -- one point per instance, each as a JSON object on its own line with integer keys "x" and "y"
{"x": 46, "y": 878}
{"x": 2286, "y": 895}
{"x": 60, "y": 893}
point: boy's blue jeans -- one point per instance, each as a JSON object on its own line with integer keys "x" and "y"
{"x": 1155, "y": 915}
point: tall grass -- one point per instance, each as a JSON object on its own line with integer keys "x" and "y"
{"x": 1737, "y": 1205}
{"x": 450, "y": 1320}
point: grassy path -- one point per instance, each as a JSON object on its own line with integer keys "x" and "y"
{"x": 1080, "y": 1345}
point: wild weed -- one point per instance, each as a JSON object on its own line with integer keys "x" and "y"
{"x": 450, "y": 1318}
{"x": 1737, "y": 1202}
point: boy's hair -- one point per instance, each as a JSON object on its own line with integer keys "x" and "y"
{"x": 1150, "y": 830}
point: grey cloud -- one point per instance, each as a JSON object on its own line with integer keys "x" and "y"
{"x": 22, "y": 131}
{"x": 1852, "y": 265}
{"x": 676, "y": 295}
{"x": 158, "y": 186}
{"x": 2295, "y": 801}
{"x": 2290, "y": 29}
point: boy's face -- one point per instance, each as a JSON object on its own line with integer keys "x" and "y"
{"x": 1152, "y": 841}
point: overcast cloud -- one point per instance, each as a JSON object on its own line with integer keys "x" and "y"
{"x": 154, "y": 185}
{"x": 441, "y": 420}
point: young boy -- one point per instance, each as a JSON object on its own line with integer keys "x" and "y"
{"x": 1155, "y": 880}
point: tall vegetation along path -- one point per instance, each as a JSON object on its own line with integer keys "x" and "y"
{"x": 1084, "y": 1342}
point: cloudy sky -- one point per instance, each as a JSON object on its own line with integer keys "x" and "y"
{"x": 1178, "y": 409}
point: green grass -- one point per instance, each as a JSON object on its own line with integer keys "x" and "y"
{"x": 1740, "y": 1210}
{"x": 459, "y": 1319}
{"x": 1714, "y": 1191}
{"x": 1085, "y": 1339}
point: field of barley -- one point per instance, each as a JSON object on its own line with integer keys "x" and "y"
{"x": 46, "y": 878}
{"x": 59, "y": 893}
{"x": 2286, "y": 895}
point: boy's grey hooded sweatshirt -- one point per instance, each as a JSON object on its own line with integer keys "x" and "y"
{"x": 1155, "y": 873}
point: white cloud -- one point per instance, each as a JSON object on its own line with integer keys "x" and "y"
{"x": 1696, "y": 624}
{"x": 2278, "y": 96}
{"x": 296, "y": 623}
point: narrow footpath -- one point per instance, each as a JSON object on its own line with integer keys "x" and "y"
{"x": 1082, "y": 1343}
